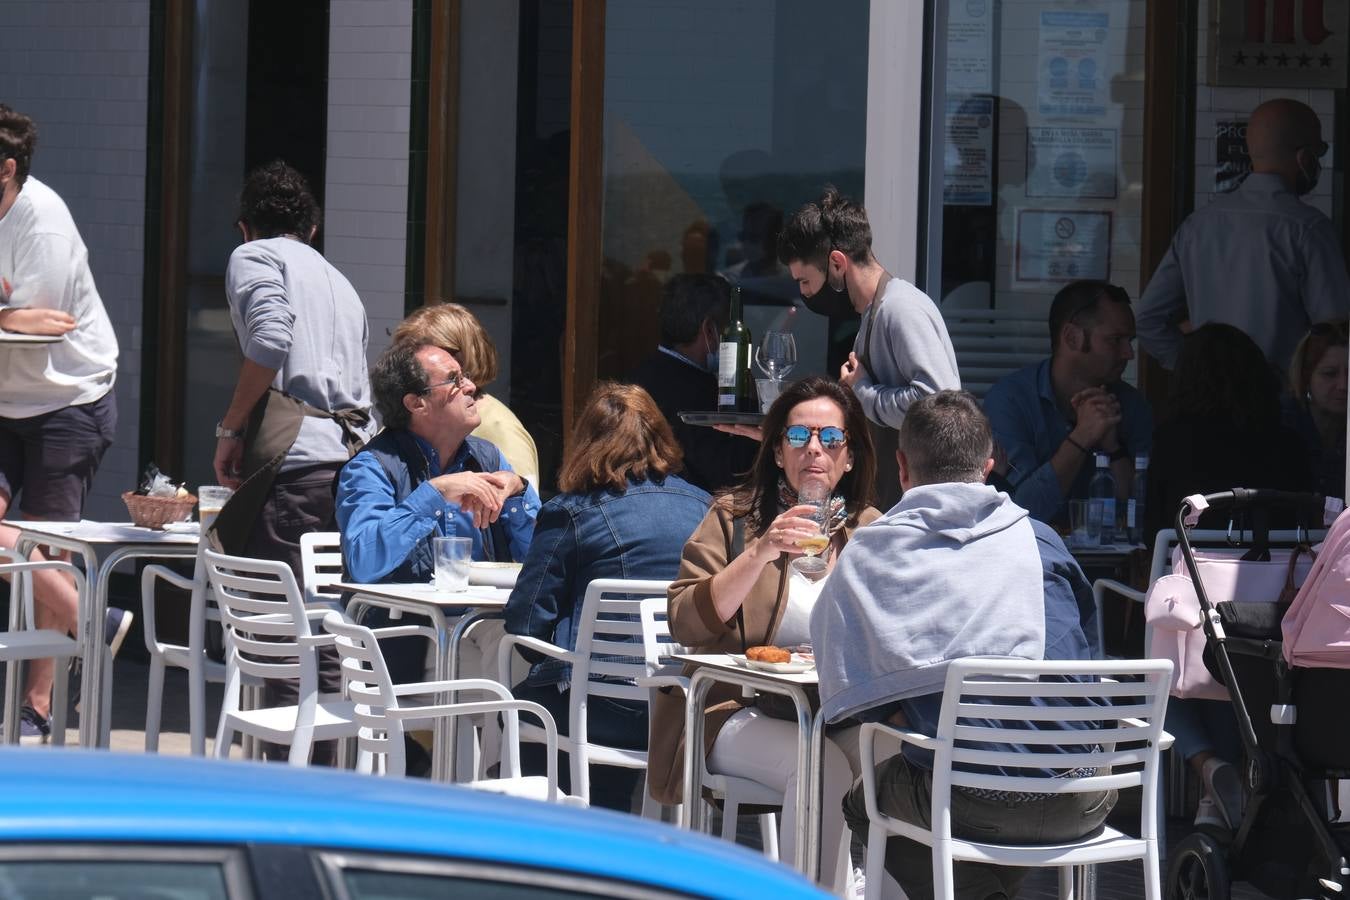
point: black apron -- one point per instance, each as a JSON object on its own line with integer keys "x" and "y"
{"x": 885, "y": 440}
{"x": 272, "y": 429}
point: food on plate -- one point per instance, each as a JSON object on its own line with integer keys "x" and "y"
{"x": 768, "y": 654}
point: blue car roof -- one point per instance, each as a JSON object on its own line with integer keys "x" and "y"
{"x": 75, "y": 795}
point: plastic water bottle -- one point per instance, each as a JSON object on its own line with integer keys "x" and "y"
{"x": 1134, "y": 513}
{"x": 1102, "y": 499}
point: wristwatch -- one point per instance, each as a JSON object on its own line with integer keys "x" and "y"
{"x": 223, "y": 432}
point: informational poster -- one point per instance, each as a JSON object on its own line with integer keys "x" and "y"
{"x": 1231, "y": 162}
{"x": 970, "y": 47}
{"x": 1063, "y": 245}
{"x": 1066, "y": 161}
{"x": 1281, "y": 43}
{"x": 1073, "y": 80}
{"x": 968, "y": 156}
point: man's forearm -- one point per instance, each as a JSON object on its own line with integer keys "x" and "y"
{"x": 254, "y": 380}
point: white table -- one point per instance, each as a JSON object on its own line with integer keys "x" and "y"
{"x": 714, "y": 668}
{"x": 115, "y": 542}
{"x": 467, "y": 607}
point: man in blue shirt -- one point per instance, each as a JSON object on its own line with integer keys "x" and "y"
{"x": 1051, "y": 417}
{"x": 424, "y": 476}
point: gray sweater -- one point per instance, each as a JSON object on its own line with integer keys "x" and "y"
{"x": 908, "y": 351}
{"x": 953, "y": 570}
{"x": 294, "y": 312}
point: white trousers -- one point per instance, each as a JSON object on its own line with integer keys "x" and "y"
{"x": 763, "y": 749}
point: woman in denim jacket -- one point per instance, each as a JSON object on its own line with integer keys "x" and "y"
{"x": 622, "y": 513}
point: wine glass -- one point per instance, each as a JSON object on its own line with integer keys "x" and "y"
{"x": 811, "y": 564}
{"x": 777, "y": 354}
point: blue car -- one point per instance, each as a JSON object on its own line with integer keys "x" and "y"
{"x": 76, "y": 824}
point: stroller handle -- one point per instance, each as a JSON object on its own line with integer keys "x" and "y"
{"x": 1307, "y": 507}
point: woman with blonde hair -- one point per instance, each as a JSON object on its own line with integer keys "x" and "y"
{"x": 623, "y": 513}
{"x": 456, "y": 330}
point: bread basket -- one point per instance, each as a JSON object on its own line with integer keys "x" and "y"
{"x": 156, "y": 512}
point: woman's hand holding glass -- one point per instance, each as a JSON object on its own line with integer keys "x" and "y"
{"x": 787, "y": 533}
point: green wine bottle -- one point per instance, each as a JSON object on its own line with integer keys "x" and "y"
{"x": 734, "y": 390}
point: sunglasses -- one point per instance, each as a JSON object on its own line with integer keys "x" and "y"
{"x": 453, "y": 381}
{"x": 831, "y": 437}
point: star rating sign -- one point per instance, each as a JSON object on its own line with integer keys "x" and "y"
{"x": 1261, "y": 59}
{"x": 1325, "y": 60}
{"x": 1282, "y": 59}
{"x": 1304, "y": 61}
{"x": 1239, "y": 58}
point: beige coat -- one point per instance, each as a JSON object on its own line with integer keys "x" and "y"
{"x": 695, "y": 623}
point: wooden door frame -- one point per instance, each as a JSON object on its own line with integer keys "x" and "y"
{"x": 1169, "y": 148}
{"x": 585, "y": 202}
{"x": 164, "y": 307}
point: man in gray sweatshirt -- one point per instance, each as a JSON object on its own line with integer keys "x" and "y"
{"x": 955, "y": 569}
{"x": 902, "y": 351}
{"x": 303, "y": 332}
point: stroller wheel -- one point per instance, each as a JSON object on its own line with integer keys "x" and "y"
{"x": 1198, "y": 871}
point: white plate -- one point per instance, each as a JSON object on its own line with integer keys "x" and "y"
{"x": 796, "y": 667}
{"x": 494, "y": 574}
{"x": 183, "y": 527}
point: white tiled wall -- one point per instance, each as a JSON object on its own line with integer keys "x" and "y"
{"x": 366, "y": 197}
{"x": 80, "y": 68}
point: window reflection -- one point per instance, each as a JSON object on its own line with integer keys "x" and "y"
{"x": 718, "y": 120}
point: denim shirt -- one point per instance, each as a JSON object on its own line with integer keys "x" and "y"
{"x": 1029, "y": 427}
{"x": 387, "y": 527}
{"x": 578, "y": 538}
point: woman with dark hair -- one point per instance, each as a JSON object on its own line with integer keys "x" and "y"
{"x": 1222, "y": 428}
{"x": 736, "y": 589}
{"x": 1316, "y": 405}
{"x": 1222, "y": 431}
{"x": 623, "y": 513}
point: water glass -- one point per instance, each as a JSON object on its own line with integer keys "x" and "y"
{"x": 1085, "y": 529}
{"x": 452, "y": 563}
{"x": 210, "y": 500}
{"x": 769, "y": 389}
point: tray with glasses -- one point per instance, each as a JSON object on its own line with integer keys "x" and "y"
{"x": 715, "y": 417}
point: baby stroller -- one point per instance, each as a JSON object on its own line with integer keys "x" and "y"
{"x": 1292, "y": 725}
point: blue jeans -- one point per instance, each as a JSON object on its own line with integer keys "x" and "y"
{"x": 1204, "y": 726}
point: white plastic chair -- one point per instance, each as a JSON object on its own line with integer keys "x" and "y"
{"x": 268, "y": 636}
{"x": 381, "y": 710}
{"x": 1134, "y": 719}
{"x": 733, "y": 792}
{"x": 321, "y": 562}
{"x": 30, "y": 643}
{"x": 608, "y": 647}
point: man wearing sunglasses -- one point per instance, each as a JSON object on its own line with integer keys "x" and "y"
{"x": 1052, "y": 416}
{"x": 1256, "y": 258}
{"x": 426, "y": 476}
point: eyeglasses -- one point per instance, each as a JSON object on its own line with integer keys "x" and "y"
{"x": 831, "y": 437}
{"x": 453, "y": 381}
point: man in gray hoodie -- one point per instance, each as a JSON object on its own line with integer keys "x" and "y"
{"x": 955, "y": 569}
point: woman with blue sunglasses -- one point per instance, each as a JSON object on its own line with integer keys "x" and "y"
{"x": 736, "y": 589}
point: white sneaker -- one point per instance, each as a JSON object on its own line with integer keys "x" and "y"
{"x": 1207, "y": 813}
{"x": 857, "y": 888}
